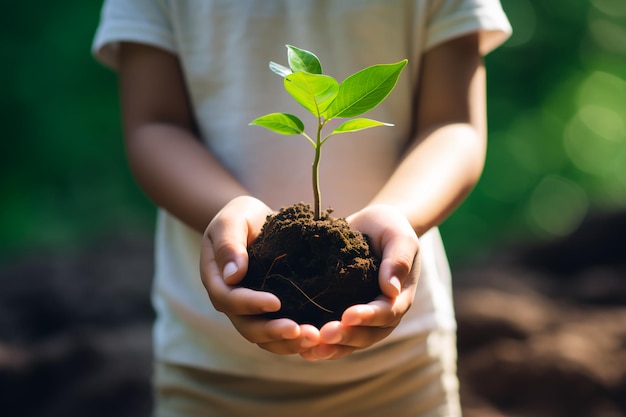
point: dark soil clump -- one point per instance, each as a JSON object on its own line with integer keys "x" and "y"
{"x": 317, "y": 268}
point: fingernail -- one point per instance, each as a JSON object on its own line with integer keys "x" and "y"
{"x": 229, "y": 270}
{"x": 307, "y": 343}
{"x": 289, "y": 333}
{"x": 395, "y": 283}
{"x": 323, "y": 352}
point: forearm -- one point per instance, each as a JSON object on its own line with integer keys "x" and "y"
{"x": 436, "y": 175}
{"x": 178, "y": 173}
{"x": 448, "y": 151}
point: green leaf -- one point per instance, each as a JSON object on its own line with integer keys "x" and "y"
{"x": 302, "y": 60}
{"x": 282, "y": 123}
{"x": 315, "y": 92}
{"x": 364, "y": 90}
{"x": 281, "y": 70}
{"x": 355, "y": 125}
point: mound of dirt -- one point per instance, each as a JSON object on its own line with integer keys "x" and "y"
{"x": 316, "y": 267}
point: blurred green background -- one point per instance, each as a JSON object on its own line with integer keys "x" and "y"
{"x": 557, "y": 109}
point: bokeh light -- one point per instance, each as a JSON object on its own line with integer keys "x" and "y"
{"x": 557, "y": 206}
{"x": 556, "y": 102}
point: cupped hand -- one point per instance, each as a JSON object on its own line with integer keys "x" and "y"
{"x": 363, "y": 325}
{"x": 223, "y": 264}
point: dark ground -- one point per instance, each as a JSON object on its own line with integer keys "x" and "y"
{"x": 542, "y": 330}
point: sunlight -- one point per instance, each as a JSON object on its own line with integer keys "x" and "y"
{"x": 557, "y": 205}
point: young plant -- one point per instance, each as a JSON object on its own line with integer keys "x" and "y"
{"x": 326, "y": 99}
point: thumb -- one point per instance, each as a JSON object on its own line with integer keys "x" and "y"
{"x": 229, "y": 234}
{"x": 222, "y": 257}
{"x": 396, "y": 265}
{"x": 230, "y": 255}
{"x": 392, "y": 236}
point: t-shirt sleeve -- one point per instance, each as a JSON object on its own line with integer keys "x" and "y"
{"x": 453, "y": 18}
{"x": 141, "y": 21}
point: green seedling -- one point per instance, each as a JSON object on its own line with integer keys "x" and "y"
{"x": 326, "y": 99}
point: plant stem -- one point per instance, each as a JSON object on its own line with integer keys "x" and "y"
{"x": 317, "y": 196}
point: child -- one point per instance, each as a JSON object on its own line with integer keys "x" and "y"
{"x": 192, "y": 75}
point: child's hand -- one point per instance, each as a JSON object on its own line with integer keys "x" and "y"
{"x": 363, "y": 325}
{"x": 223, "y": 264}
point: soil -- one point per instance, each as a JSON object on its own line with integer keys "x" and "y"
{"x": 542, "y": 328}
{"x": 317, "y": 268}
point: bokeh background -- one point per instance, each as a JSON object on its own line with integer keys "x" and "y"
{"x": 538, "y": 249}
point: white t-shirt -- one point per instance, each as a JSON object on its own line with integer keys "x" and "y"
{"x": 224, "y": 47}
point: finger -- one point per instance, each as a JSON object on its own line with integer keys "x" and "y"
{"x": 358, "y": 337}
{"x": 230, "y": 233}
{"x": 382, "y": 312}
{"x": 244, "y": 301}
{"x": 227, "y": 242}
{"x": 328, "y": 352}
{"x": 398, "y": 261}
{"x": 232, "y": 300}
{"x": 260, "y": 330}
{"x": 394, "y": 239}
{"x": 307, "y": 339}
{"x": 210, "y": 271}
{"x": 308, "y": 355}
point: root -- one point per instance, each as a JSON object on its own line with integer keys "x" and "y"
{"x": 316, "y": 304}
{"x": 267, "y": 275}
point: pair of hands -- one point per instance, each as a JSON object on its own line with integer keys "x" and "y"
{"x": 224, "y": 260}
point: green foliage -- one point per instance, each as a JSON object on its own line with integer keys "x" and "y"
{"x": 363, "y": 91}
{"x": 326, "y": 99}
{"x": 557, "y": 127}
{"x": 557, "y": 117}
{"x": 282, "y": 123}
{"x": 63, "y": 175}
{"x": 303, "y": 61}
{"x": 355, "y": 125}
{"x": 315, "y": 92}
